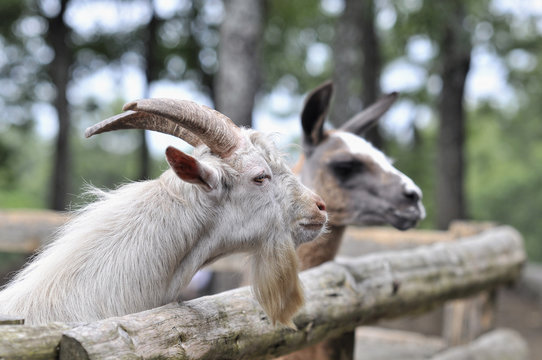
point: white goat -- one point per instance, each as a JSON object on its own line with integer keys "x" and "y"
{"x": 136, "y": 247}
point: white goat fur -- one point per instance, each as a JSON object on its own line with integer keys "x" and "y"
{"x": 136, "y": 247}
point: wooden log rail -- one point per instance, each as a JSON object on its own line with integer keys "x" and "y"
{"x": 340, "y": 296}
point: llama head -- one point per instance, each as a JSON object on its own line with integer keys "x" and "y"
{"x": 357, "y": 181}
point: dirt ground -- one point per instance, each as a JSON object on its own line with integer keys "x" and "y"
{"x": 521, "y": 310}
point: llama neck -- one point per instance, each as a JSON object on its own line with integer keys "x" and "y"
{"x": 322, "y": 249}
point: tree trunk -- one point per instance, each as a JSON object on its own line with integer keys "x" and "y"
{"x": 150, "y": 76}
{"x": 347, "y": 58}
{"x": 58, "y": 37}
{"x": 238, "y": 78}
{"x": 372, "y": 65}
{"x": 455, "y": 57}
{"x": 357, "y": 59}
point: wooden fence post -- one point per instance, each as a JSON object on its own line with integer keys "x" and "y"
{"x": 466, "y": 319}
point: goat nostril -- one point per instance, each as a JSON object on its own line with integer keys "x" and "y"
{"x": 321, "y": 205}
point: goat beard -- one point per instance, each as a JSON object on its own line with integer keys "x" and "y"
{"x": 275, "y": 281}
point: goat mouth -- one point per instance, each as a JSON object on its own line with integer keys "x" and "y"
{"x": 313, "y": 226}
{"x": 308, "y": 231}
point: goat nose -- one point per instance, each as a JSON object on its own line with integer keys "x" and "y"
{"x": 320, "y": 203}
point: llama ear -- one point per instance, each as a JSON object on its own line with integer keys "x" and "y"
{"x": 314, "y": 113}
{"x": 363, "y": 121}
{"x": 191, "y": 170}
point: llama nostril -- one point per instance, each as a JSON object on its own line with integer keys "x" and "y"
{"x": 321, "y": 205}
{"x": 412, "y": 195}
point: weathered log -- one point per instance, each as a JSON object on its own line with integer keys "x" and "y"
{"x": 339, "y": 297}
{"x": 31, "y": 342}
{"x": 23, "y": 231}
{"x": 466, "y": 319}
{"x": 10, "y": 320}
{"x": 384, "y": 344}
{"x": 500, "y": 344}
{"x": 376, "y": 343}
{"x": 369, "y": 241}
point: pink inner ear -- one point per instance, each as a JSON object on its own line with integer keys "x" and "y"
{"x": 185, "y": 166}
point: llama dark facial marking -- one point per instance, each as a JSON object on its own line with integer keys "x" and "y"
{"x": 393, "y": 195}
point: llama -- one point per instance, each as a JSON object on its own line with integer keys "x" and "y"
{"x": 358, "y": 183}
{"x": 136, "y": 247}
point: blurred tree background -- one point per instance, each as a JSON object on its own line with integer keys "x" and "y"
{"x": 466, "y": 127}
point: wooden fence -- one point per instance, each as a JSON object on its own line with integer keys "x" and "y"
{"x": 340, "y": 296}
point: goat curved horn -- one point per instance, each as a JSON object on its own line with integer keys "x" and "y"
{"x": 182, "y": 118}
{"x": 141, "y": 120}
{"x": 364, "y": 120}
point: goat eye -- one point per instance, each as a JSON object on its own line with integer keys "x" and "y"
{"x": 261, "y": 178}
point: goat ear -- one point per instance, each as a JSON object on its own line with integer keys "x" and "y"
{"x": 191, "y": 170}
{"x": 314, "y": 113}
{"x": 363, "y": 121}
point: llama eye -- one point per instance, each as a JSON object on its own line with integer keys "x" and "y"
{"x": 346, "y": 169}
{"x": 261, "y": 178}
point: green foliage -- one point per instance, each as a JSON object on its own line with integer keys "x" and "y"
{"x": 291, "y": 28}
{"x": 9, "y": 263}
{"x": 92, "y": 164}
{"x": 503, "y": 175}
{"x": 11, "y": 10}
{"x": 24, "y": 167}
{"x": 105, "y": 167}
{"x": 504, "y": 140}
